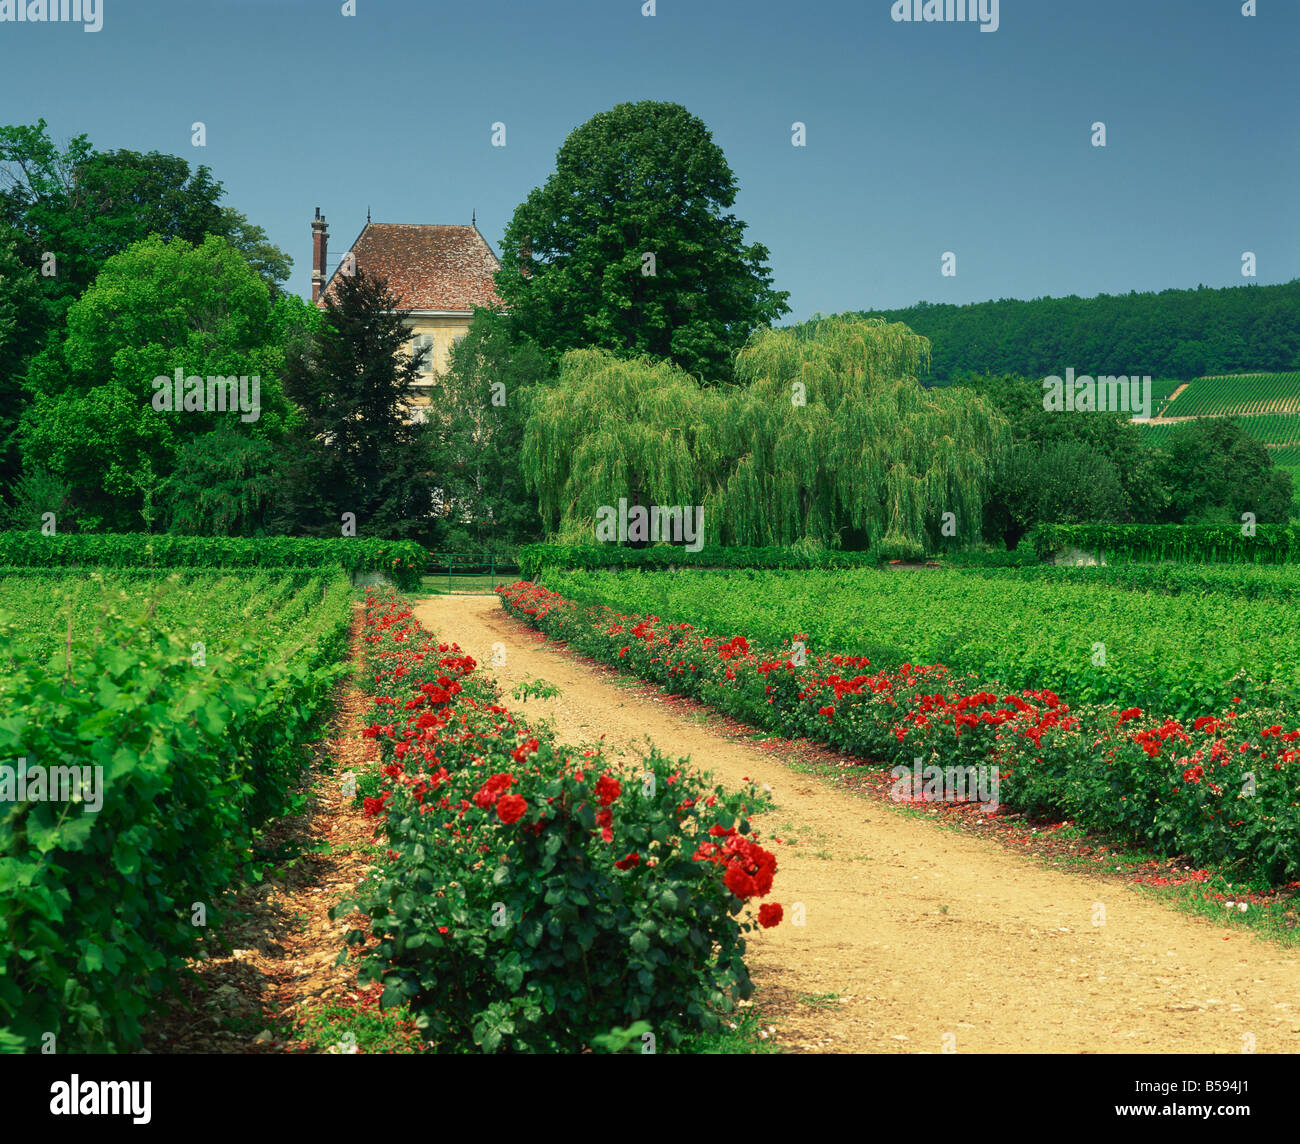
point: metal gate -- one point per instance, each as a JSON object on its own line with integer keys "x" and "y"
{"x": 469, "y": 572}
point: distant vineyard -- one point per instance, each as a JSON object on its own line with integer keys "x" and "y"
{"x": 1230, "y": 396}
{"x": 1272, "y": 429}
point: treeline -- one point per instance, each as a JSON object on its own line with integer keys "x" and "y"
{"x": 1174, "y": 334}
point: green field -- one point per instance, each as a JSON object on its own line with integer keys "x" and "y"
{"x": 1280, "y": 430}
{"x": 1185, "y": 654}
{"x": 255, "y": 614}
{"x": 1233, "y": 395}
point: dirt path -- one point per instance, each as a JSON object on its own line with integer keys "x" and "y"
{"x": 922, "y": 933}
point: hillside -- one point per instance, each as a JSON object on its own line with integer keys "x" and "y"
{"x": 1180, "y": 334}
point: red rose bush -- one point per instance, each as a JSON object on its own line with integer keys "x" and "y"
{"x": 1221, "y": 788}
{"x": 533, "y": 898}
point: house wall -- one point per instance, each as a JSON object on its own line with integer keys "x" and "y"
{"x": 444, "y": 330}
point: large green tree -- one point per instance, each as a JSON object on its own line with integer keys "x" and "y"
{"x": 1215, "y": 473}
{"x": 64, "y": 212}
{"x": 360, "y": 451}
{"x": 95, "y": 419}
{"x": 629, "y": 247}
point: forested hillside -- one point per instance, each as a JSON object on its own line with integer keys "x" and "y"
{"x": 1176, "y": 333}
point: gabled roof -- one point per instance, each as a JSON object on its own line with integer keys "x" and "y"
{"x": 427, "y": 267}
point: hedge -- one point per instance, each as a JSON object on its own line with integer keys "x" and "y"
{"x": 1208, "y": 543}
{"x": 403, "y": 561}
{"x": 533, "y": 558}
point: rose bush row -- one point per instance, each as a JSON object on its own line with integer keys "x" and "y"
{"x": 1222, "y": 788}
{"x": 533, "y": 897}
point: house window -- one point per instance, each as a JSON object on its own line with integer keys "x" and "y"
{"x": 425, "y": 342}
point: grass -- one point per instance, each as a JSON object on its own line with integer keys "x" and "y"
{"x": 442, "y": 584}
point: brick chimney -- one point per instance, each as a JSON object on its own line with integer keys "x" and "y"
{"x": 526, "y": 256}
{"x": 319, "y": 243}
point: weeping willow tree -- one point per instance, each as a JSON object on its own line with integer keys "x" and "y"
{"x": 610, "y": 429}
{"x": 836, "y": 440}
{"x": 828, "y": 438}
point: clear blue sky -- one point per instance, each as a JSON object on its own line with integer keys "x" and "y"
{"x": 922, "y": 138}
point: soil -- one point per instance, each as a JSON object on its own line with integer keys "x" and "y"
{"x": 918, "y": 939}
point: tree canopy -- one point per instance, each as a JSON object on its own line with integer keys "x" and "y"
{"x": 1173, "y": 334}
{"x": 156, "y": 308}
{"x": 628, "y": 247}
{"x": 358, "y": 452}
{"x": 827, "y": 438}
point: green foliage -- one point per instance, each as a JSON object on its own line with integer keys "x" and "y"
{"x": 1185, "y": 653}
{"x": 830, "y": 441}
{"x": 1067, "y": 482}
{"x": 402, "y": 561}
{"x": 21, "y": 324}
{"x": 194, "y": 760}
{"x": 534, "y": 689}
{"x": 1173, "y": 334}
{"x": 480, "y": 411}
{"x": 35, "y": 493}
{"x": 1215, "y": 472}
{"x": 358, "y": 452}
{"x": 641, "y": 178}
{"x": 1189, "y": 543}
{"x": 1064, "y": 465}
{"x": 155, "y": 308}
{"x": 534, "y": 559}
{"x": 224, "y": 484}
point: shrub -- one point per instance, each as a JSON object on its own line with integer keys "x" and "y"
{"x": 533, "y": 898}
{"x": 403, "y": 561}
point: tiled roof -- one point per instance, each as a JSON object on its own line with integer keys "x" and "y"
{"x": 428, "y": 267}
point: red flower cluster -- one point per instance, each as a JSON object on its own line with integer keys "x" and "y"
{"x": 749, "y": 868}
{"x": 607, "y": 789}
{"x": 493, "y": 789}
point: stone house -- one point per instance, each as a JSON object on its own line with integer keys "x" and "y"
{"x": 437, "y": 272}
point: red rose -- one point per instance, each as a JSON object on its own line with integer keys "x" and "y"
{"x": 738, "y": 882}
{"x": 769, "y": 915}
{"x": 631, "y": 860}
{"x": 511, "y": 808}
{"x": 493, "y": 789}
{"x": 607, "y": 789}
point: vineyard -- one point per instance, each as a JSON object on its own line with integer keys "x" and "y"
{"x": 1238, "y": 395}
{"x": 1185, "y": 654}
{"x": 1161, "y": 773}
{"x": 190, "y": 700}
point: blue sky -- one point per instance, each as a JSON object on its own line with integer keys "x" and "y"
{"x": 921, "y": 138}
